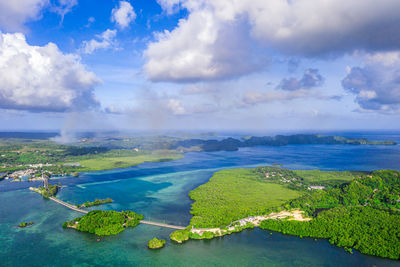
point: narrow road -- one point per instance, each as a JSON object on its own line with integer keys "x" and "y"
{"x": 72, "y": 207}
{"x": 163, "y": 225}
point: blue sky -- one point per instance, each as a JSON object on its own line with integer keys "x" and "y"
{"x": 186, "y": 64}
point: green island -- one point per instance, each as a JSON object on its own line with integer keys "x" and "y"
{"x": 353, "y": 210}
{"x": 51, "y": 191}
{"x": 156, "y": 243}
{"x": 96, "y": 202}
{"x": 25, "y": 224}
{"x": 104, "y": 223}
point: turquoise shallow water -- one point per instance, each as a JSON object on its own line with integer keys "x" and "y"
{"x": 159, "y": 191}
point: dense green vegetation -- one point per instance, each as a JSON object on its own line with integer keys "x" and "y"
{"x": 301, "y": 180}
{"x": 105, "y": 222}
{"x": 71, "y": 159}
{"x": 379, "y": 189}
{"x": 180, "y": 236}
{"x": 368, "y": 230}
{"x": 235, "y": 194}
{"x": 52, "y": 191}
{"x": 156, "y": 243}
{"x": 123, "y": 158}
{"x": 359, "y": 210}
{"x": 363, "y": 214}
{"x": 25, "y": 224}
{"x": 95, "y": 203}
{"x": 327, "y": 177}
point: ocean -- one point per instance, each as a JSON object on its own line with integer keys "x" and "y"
{"x": 160, "y": 192}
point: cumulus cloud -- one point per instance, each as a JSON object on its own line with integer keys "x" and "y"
{"x": 105, "y": 40}
{"x": 376, "y": 84}
{"x": 42, "y": 78}
{"x": 123, "y": 14}
{"x": 202, "y": 47}
{"x": 310, "y": 79}
{"x": 219, "y": 37}
{"x": 14, "y": 14}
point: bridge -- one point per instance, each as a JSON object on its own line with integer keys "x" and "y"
{"x": 74, "y": 208}
{"x": 163, "y": 225}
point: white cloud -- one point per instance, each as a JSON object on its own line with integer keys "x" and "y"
{"x": 311, "y": 78}
{"x": 123, "y": 15}
{"x": 219, "y": 37}
{"x": 63, "y": 7}
{"x": 42, "y": 78}
{"x": 376, "y": 84}
{"x": 169, "y": 6}
{"x": 202, "y": 47}
{"x": 105, "y": 40}
{"x": 15, "y": 13}
{"x": 175, "y": 106}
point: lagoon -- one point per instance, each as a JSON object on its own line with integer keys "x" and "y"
{"x": 159, "y": 191}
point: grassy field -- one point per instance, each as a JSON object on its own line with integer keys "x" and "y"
{"x": 328, "y": 177}
{"x": 234, "y": 194}
{"x": 108, "y": 162}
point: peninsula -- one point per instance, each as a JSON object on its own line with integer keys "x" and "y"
{"x": 359, "y": 210}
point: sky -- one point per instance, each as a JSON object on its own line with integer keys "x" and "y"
{"x": 74, "y": 65}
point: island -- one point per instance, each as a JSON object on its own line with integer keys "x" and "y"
{"x": 232, "y": 144}
{"x": 97, "y": 202}
{"x": 103, "y": 223}
{"x": 353, "y": 210}
{"x": 25, "y": 224}
{"x": 47, "y": 190}
{"x": 156, "y": 243}
{"x": 25, "y": 157}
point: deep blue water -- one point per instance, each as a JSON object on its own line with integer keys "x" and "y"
{"x": 160, "y": 192}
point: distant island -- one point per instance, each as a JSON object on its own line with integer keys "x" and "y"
{"x": 25, "y": 159}
{"x": 97, "y": 202}
{"x": 353, "y": 210}
{"x": 156, "y": 243}
{"x": 232, "y": 144}
{"x": 25, "y": 224}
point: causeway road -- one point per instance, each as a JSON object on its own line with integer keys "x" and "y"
{"x": 74, "y": 208}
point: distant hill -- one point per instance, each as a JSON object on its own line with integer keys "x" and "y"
{"x": 29, "y": 135}
{"x": 232, "y": 144}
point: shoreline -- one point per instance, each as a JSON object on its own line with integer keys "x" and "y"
{"x": 255, "y": 221}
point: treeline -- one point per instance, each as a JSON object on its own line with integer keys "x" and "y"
{"x": 380, "y": 189}
{"x": 362, "y": 214}
{"x": 366, "y": 229}
{"x": 95, "y": 203}
{"x": 52, "y": 190}
{"x": 235, "y": 194}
